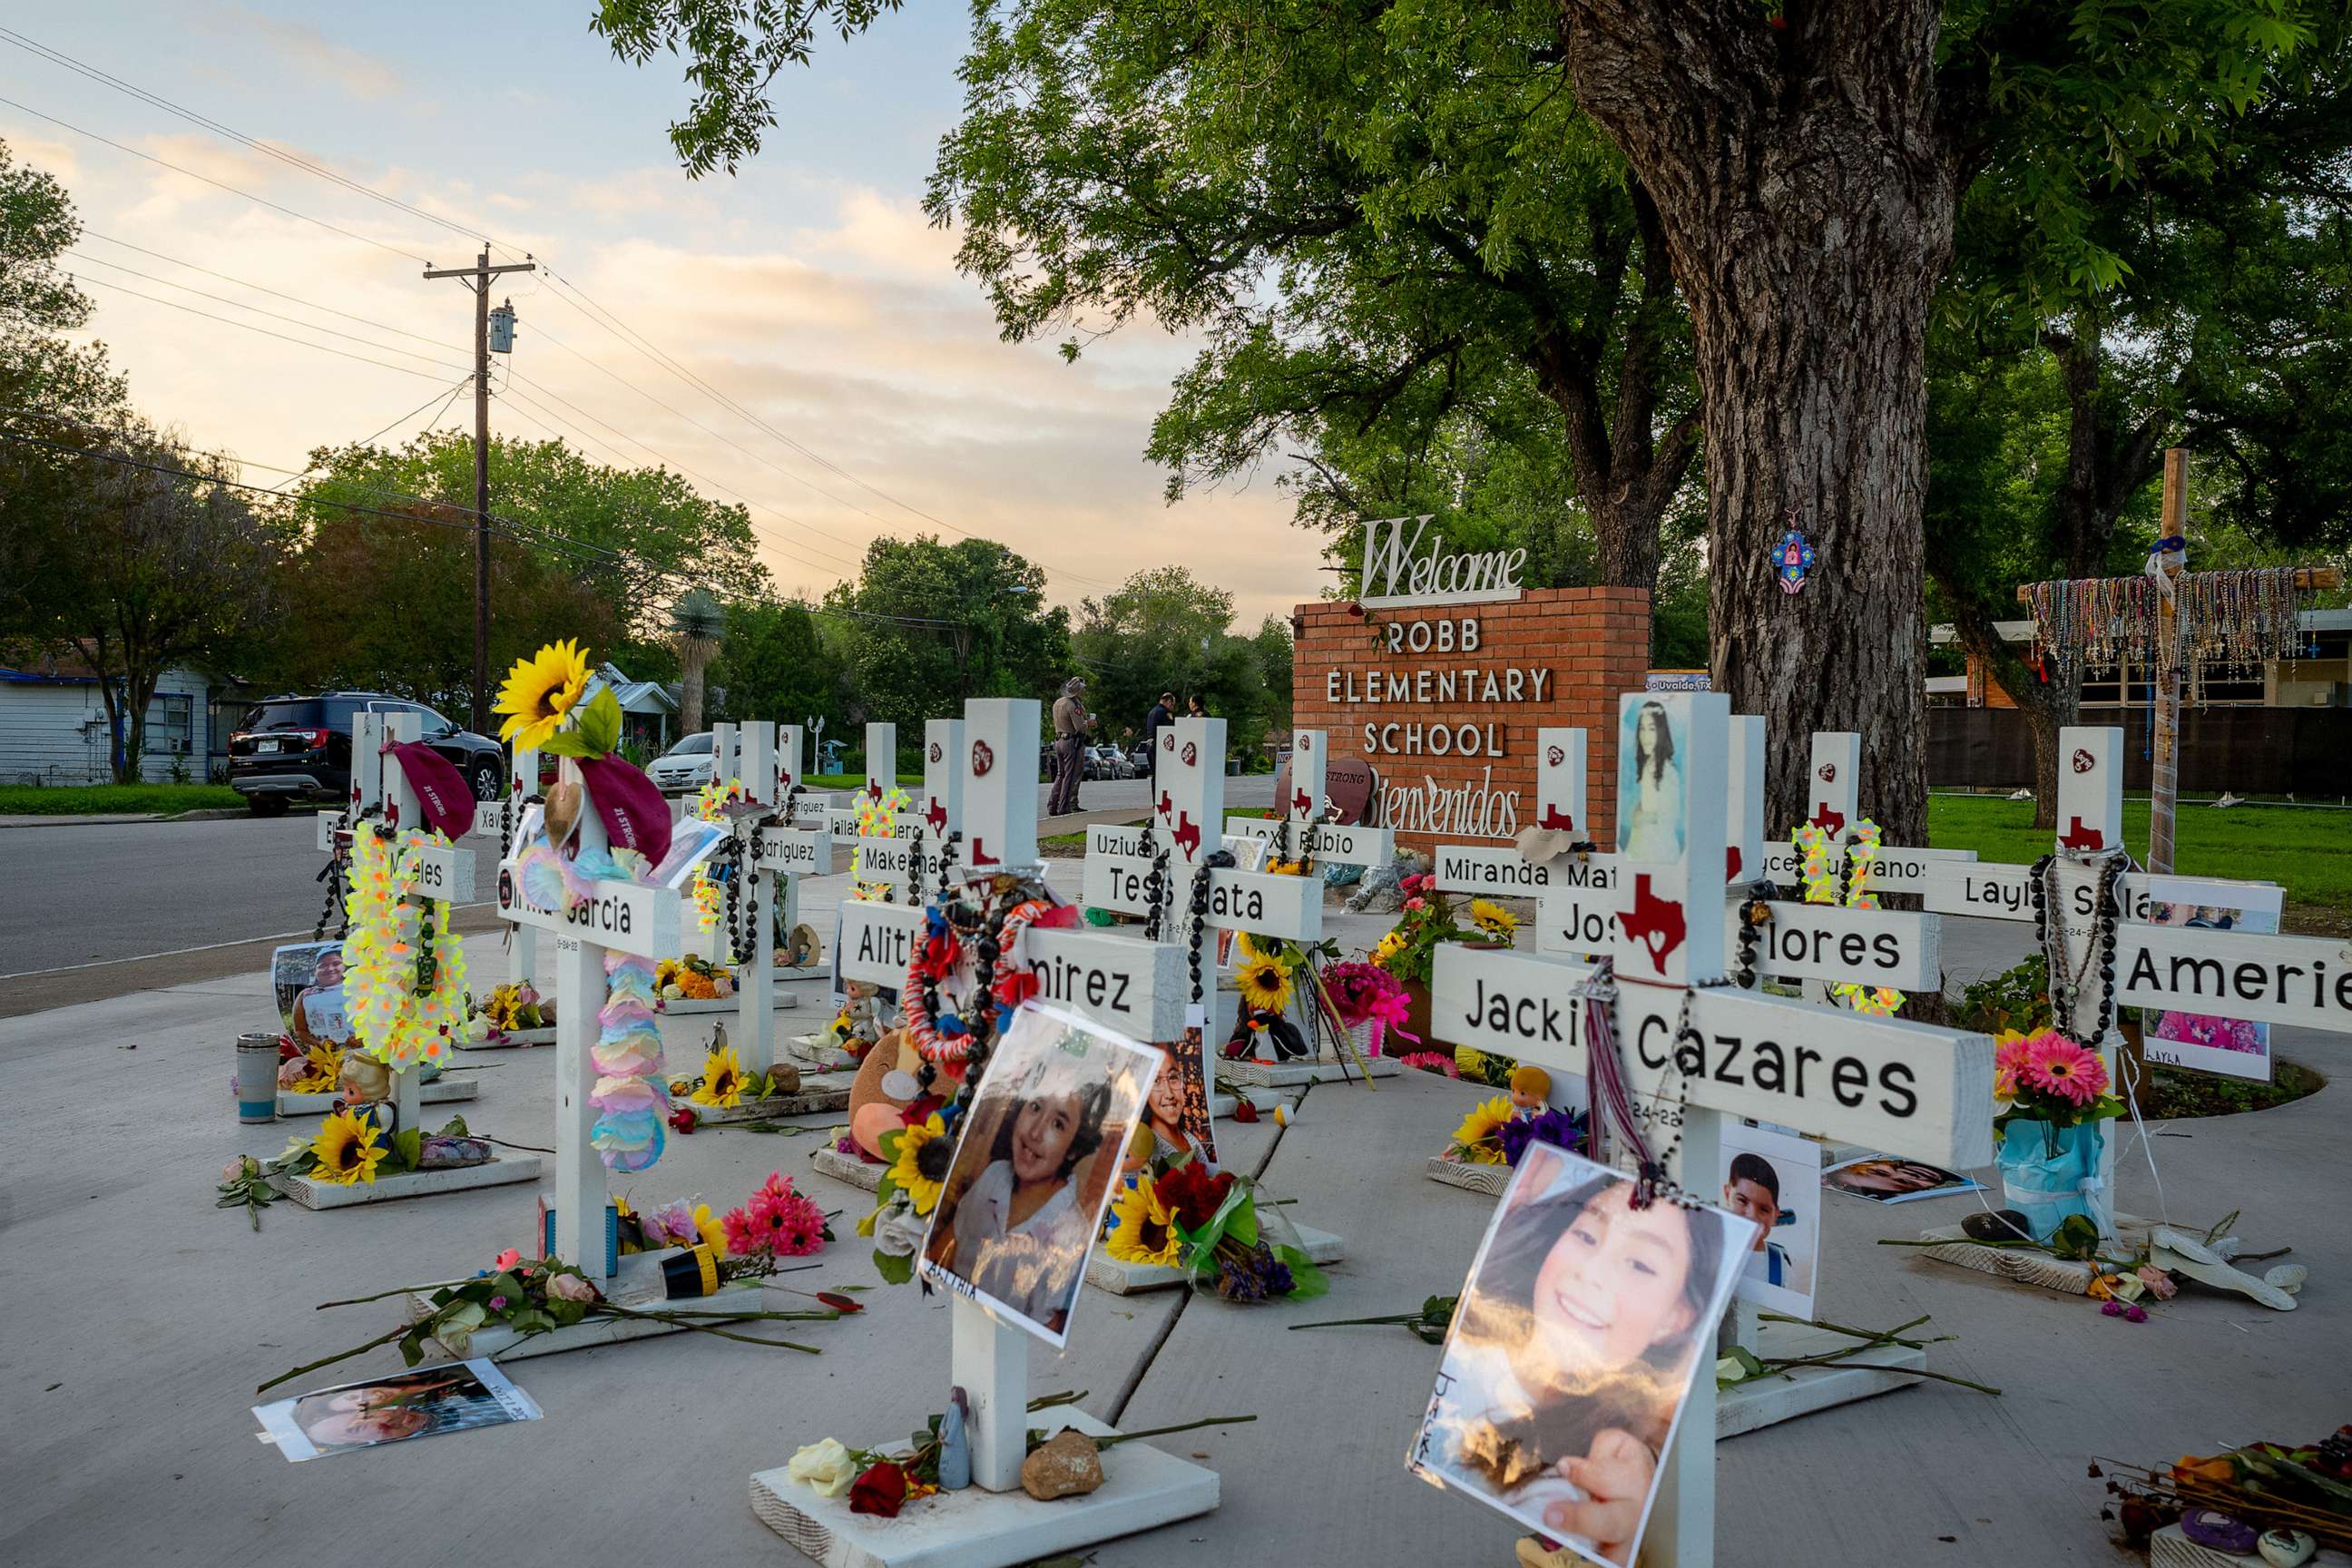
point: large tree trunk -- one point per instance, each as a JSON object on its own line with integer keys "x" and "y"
{"x": 1807, "y": 205}
{"x": 693, "y": 658}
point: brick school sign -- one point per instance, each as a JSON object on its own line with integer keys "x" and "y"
{"x": 1444, "y": 700}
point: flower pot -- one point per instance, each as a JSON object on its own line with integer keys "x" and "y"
{"x": 2048, "y": 1172}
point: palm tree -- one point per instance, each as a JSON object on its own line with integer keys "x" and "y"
{"x": 698, "y": 623}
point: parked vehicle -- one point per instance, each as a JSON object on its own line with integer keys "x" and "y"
{"x": 685, "y": 767}
{"x": 1111, "y": 763}
{"x": 294, "y": 748}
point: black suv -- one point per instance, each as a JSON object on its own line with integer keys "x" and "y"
{"x": 301, "y": 747}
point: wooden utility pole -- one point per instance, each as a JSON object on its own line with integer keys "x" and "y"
{"x": 2169, "y": 671}
{"x": 478, "y": 277}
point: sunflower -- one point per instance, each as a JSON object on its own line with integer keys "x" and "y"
{"x": 1143, "y": 1228}
{"x": 919, "y": 1161}
{"x": 324, "y": 1064}
{"x": 722, "y": 1079}
{"x": 539, "y": 691}
{"x": 1493, "y": 919}
{"x": 1265, "y": 984}
{"x": 1479, "y": 1139}
{"x": 345, "y": 1151}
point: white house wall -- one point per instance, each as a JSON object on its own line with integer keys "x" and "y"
{"x": 55, "y": 732}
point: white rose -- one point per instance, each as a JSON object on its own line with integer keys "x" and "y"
{"x": 898, "y": 1230}
{"x": 825, "y": 1468}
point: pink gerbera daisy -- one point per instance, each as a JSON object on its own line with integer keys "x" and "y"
{"x": 2060, "y": 1067}
{"x": 744, "y": 1233}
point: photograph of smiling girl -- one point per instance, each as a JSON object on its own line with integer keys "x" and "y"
{"x": 1650, "y": 778}
{"x": 1034, "y": 1165}
{"x": 1579, "y": 1328}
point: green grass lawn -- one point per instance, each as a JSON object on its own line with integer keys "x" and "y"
{"x": 2308, "y": 852}
{"x": 81, "y": 800}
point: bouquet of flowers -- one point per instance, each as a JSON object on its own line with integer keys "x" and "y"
{"x": 693, "y": 979}
{"x": 1365, "y": 994}
{"x": 1211, "y": 1226}
{"x": 2046, "y": 1076}
{"x": 1494, "y": 1133}
{"x": 516, "y": 1005}
{"x": 1409, "y": 951}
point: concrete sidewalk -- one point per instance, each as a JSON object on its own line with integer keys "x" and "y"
{"x": 139, "y": 1319}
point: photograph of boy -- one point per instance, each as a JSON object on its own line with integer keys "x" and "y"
{"x": 1775, "y": 1179}
{"x": 1059, "y": 1101}
{"x": 1583, "y": 1320}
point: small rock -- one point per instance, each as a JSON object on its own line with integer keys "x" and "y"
{"x": 1066, "y": 1464}
{"x": 2283, "y": 1548}
{"x": 785, "y": 1077}
{"x": 2207, "y": 1527}
{"x": 1997, "y": 1224}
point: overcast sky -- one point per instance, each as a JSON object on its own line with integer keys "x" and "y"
{"x": 808, "y": 288}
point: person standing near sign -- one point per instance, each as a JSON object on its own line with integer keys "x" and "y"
{"x": 1162, "y": 714}
{"x": 1071, "y": 720}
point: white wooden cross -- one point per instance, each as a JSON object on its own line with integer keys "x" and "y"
{"x": 1819, "y": 943}
{"x": 1833, "y": 784}
{"x": 767, "y": 762}
{"x": 2263, "y": 978}
{"x": 1190, "y": 780}
{"x": 379, "y": 784}
{"x": 1312, "y": 837}
{"x": 522, "y": 941}
{"x": 1901, "y": 1087}
{"x": 1131, "y": 986}
{"x": 382, "y": 786}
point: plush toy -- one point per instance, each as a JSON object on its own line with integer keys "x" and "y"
{"x": 1265, "y": 1037}
{"x": 888, "y": 1082}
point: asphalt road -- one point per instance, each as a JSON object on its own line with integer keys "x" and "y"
{"x": 101, "y": 893}
{"x": 96, "y": 893}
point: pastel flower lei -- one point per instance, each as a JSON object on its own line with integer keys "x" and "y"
{"x": 400, "y": 1022}
{"x": 1817, "y": 853}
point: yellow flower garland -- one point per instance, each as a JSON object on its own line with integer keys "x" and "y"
{"x": 1817, "y": 856}
{"x": 396, "y": 1024}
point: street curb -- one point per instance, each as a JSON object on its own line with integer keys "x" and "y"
{"x": 117, "y": 818}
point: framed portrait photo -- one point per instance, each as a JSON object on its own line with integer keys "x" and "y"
{"x": 1652, "y": 759}
{"x": 1774, "y": 1179}
{"x": 1037, "y": 1158}
{"x": 1572, "y": 1350}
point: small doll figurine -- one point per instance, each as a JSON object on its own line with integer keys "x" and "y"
{"x": 859, "y": 1022}
{"x": 1530, "y": 1086}
{"x": 955, "y": 1446}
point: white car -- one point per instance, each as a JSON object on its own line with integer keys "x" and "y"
{"x": 685, "y": 767}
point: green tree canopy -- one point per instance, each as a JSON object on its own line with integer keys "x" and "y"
{"x": 928, "y": 626}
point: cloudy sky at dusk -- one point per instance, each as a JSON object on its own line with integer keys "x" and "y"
{"x": 808, "y": 288}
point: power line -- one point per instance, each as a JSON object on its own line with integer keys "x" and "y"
{"x": 216, "y": 184}
{"x": 514, "y": 376}
{"x": 584, "y": 302}
{"x": 264, "y": 288}
{"x": 511, "y": 528}
{"x": 273, "y": 315}
{"x": 265, "y": 331}
{"x": 83, "y": 67}
{"x": 370, "y": 439}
